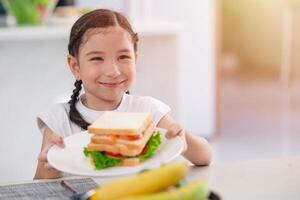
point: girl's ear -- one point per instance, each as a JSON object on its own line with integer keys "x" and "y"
{"x": 74, "y": 67}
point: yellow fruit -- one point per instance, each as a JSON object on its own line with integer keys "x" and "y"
{"x": 192, "y": 191}
{"x": 147, "y": 182}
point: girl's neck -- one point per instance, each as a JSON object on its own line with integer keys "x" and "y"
{"x": 100, "y": 104}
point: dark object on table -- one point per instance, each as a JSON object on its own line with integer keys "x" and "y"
{"x": 214, "y": 196}
{"x": 50, "y": 190}
{"x": 2, "y": 10}
{"x": 65, "y": 3}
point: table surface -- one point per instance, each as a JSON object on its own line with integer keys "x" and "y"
{"x": 274, "y": 179}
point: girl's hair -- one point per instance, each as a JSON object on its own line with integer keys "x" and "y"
{"x": 100, "y": 18}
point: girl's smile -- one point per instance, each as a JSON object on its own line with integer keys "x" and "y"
{"x": 112, "y": 84}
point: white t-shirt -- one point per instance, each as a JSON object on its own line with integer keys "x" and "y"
{"x": 57, "y": 118}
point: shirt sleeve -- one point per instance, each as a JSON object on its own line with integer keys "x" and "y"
{"x": 158, "y": 109}
{"x": 52, "y": 118}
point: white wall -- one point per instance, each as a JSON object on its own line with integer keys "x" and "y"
{"x": 31, "y": 79}
{"x": 197, "y": 75}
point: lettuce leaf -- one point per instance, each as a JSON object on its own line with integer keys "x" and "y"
{"x": 101, "y": 161}
{"x": 152, "y": 146}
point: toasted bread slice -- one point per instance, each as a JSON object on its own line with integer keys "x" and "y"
{"x": 120, "y": 123}
{"x": 131, "y": 162}
{"x": 120, "y": 146}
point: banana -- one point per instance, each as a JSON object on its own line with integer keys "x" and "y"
{"x": 192, "y": 191}
{"x": 147, "y": 182}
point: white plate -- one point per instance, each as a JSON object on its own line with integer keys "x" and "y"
{"x": 72, "y": 160}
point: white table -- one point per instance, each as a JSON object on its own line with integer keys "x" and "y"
{"x": 276, "y": 179}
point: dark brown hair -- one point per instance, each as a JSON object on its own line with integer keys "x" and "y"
{"x": 100, "y": 18}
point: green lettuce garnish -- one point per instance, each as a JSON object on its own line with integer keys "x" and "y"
{"x": 101, "y": 161}
{"x": 152, "y": 146}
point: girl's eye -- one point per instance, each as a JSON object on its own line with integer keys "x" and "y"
{"x": 97, "y": 59}
{"x": 122, "y": 57}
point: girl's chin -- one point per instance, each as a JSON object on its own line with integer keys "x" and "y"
{"x": 112, "y": 96}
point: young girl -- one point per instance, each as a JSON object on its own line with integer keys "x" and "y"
{"x": 102, "y": 57}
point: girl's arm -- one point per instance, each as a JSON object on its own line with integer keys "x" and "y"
{"x": 44, "y": 170}
{"x": 198, "y": 150}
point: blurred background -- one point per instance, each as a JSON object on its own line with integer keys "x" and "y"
{"x": 230, "y": 71}
{"x": 259, "y": 80}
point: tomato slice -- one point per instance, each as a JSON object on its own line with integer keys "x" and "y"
{"x": 113, "y": 155}
{"x": 113, "y": 137}
{"x": 131, "y": 137}
{"x": 144, "y": 150}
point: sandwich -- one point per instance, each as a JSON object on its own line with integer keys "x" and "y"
{"x": 121, "y": 139}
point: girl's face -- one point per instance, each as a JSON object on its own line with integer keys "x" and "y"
{"x": 105, "y": 64}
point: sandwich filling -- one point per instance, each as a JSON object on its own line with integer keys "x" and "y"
{"x": 106, "y": 159}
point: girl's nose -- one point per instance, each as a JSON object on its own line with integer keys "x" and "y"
{"x": 112, "y": 70}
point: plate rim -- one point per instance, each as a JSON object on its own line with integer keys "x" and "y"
{"x": 102, "y": 173}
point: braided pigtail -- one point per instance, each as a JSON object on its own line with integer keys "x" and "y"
{"x": 74, "y": 115}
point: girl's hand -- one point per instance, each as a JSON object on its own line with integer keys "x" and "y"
{"x": 44, "y": 169}
{"x": 177, "y": 130}
{"x": 54, "y": 139}
{"x": 197, "y": 150}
